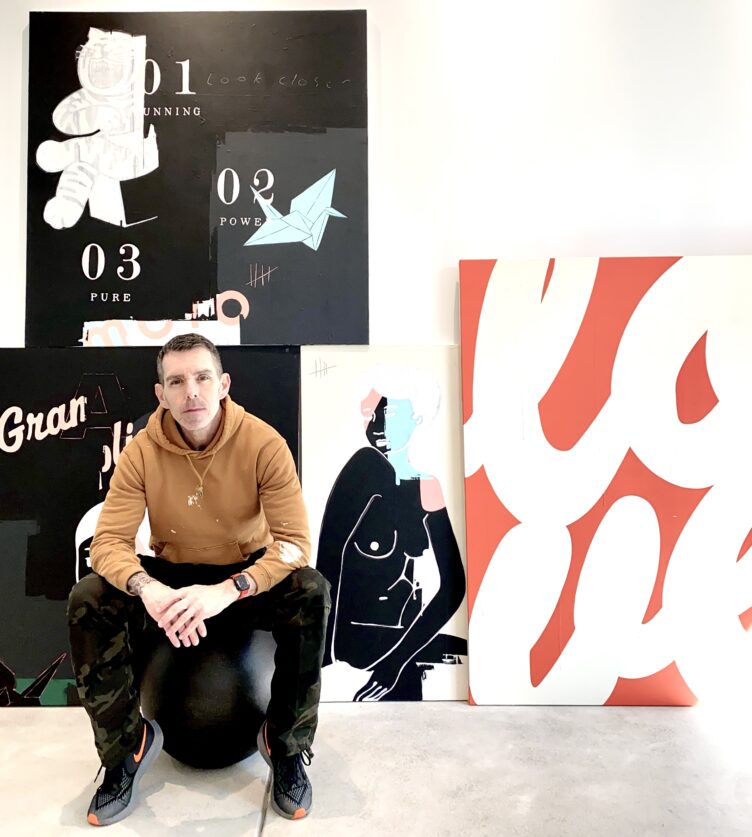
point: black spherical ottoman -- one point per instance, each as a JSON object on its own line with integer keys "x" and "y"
{"x": 211, "y": 699}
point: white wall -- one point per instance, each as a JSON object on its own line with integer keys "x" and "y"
{"x": 501, "y": 129}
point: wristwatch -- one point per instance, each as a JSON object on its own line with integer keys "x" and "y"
{"x": 242, "y": 584}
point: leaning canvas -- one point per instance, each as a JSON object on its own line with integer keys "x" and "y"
{"x": 606, "y": 407}
{"x": 382, "y": 482}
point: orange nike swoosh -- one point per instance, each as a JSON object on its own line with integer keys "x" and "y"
{"x": 140, "y": 754}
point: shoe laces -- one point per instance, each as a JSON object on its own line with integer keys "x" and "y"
{"x": 115, "y": 780}
{"x": 114, "y": 775}
{"x": 290, "y": 770}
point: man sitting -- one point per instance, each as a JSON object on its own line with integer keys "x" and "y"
{"x": 222, "y": 493}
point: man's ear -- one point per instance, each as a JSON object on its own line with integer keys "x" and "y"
{"x": 224, "y": 384}
{"x": 159, "y": 392}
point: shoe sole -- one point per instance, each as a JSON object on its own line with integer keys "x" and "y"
{"x": 154, "y": 751}
{"x": 261, "y": 744}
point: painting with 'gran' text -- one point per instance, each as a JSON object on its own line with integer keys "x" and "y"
{"x": 65, "y": 416}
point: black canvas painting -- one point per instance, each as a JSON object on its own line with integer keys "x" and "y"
{"x": 178, "y": 158}
{"x": 65, "y": 415}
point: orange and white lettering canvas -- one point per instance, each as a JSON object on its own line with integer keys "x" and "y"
{"x": 606, "y": 410}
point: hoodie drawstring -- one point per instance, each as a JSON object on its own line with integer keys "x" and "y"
{"x": 201, "y": 477}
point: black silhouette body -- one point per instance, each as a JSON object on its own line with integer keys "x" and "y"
{"x": 382, "y": 521}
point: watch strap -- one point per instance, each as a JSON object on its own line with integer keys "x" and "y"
{"x": 243, "y": 588}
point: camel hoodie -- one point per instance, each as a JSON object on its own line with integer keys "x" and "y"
{"x": 211, "y": 506}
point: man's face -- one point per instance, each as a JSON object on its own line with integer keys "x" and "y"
{"x": 192, "y": 389}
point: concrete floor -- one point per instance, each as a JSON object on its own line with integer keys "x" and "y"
{"x": 417, "y": 769}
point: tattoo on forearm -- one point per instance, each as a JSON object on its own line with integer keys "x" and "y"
{"x": 137, "y": 582}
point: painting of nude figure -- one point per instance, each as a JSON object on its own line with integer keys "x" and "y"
{"x": 381, "y": 487}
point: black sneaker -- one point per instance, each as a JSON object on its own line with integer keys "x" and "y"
{"x": 116, "y": 797}
{"x": 292, "y": 793}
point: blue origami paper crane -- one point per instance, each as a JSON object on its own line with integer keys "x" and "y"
{"x": 306, "y": 221}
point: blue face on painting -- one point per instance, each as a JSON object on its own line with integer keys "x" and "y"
{"x": 389, "y": 423}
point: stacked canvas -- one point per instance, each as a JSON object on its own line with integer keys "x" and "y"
{"x": 186, "y": 172}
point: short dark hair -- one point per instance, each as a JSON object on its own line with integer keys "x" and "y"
{"x": 184, "y": 343}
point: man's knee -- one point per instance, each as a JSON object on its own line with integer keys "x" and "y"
{"x": 312, "y": 586}
{"x": 86, "y": 596}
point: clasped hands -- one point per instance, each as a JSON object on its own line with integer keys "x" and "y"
{"x": 182, "y": 613}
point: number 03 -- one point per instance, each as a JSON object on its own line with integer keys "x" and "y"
{"x": 127, "y": 271}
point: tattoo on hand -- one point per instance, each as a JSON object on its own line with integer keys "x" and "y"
{"x": 137, "y": 582}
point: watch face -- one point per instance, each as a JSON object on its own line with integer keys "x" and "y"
{"x": 242, "y": 582}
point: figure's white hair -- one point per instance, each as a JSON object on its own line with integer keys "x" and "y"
{"x": 418, "y": 386}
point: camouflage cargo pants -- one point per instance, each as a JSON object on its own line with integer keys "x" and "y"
{"x": 108, "y": 630}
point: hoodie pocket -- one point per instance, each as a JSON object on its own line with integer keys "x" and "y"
{"x": 222, "y": 553}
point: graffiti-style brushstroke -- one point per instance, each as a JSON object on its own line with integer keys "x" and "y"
{"x": 607, "y": 454}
